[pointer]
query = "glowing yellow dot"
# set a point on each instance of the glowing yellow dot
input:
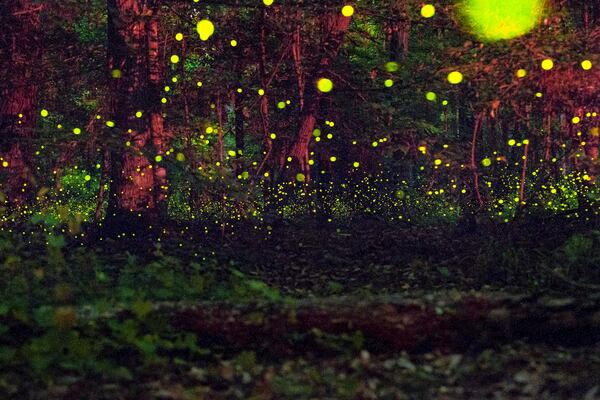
(231, 153)
(281, 105)
(233, 43)
(392, 66)
(209, 130)
(116, 73)
(300, 177)
(486, 162)
(586, 65)
(167, 88)
(428, 11)
(199, 84)
(5, 164)
(87, 178)
(317, 132)
(538, 95)
(512, 142)
(205, 29)
(375, 144)
(521, 73)
(179, 37)
(576, 120)
(76, 131)
(438, 162)
(388, 83)
(139, 114)
(163, 100)
(455, 77)
(158, 158)
(273, 136)
(180, 157)
(356, 164)
(261, 92)
(547, 64)
(333, 158)
(174, 58)
(348, 11)
(325, 85)
(445, 102)
(44, 113)
(267, 2)
(110, 124)
(430, 96)
(526, 141)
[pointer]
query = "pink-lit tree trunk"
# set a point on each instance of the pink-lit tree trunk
(18, 100)
(335, 25)
(139, 187)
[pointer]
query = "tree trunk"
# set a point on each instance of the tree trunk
(335, 25)
(138, 188)
(18, 100)
(398, 324)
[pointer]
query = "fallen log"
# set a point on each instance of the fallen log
(398, 324)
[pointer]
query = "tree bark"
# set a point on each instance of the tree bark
(399, 324)
(139, 188)
(335, 26)
(18, 100)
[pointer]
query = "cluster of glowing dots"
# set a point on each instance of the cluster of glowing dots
(205, 29)
(494, 20)
(324, 85)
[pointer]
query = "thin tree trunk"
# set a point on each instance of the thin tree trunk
(336, 25)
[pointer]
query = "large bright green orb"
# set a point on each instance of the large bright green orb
(493, 20)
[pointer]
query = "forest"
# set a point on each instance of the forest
(299, 199)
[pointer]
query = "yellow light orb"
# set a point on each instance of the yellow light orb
(179, 37)
(267, 2)
(87, 178)
(44, 113)
(547, 64)
(586, 65)
(261, 92)
(388, 83)
(205, 29)
(494, 20)
(333, 158)
(138, 114)
(576, 120)
(347, 11)
(76, 131)
(300, 177)
(233, 43)
(430, 96)
(427, 11)
(392, 66)
(486, 162)
(356, 164)
(174, 58)
(455, 77)
(116, 73)
(521, 73)
(325, 85)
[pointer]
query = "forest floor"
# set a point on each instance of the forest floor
(360, 310)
